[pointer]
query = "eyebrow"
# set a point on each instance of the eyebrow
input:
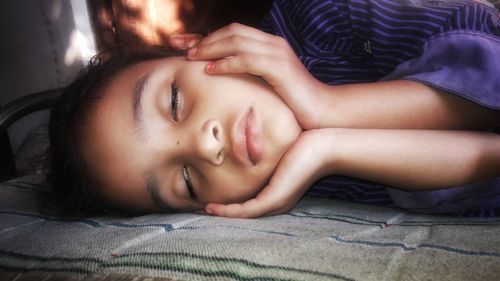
(151, 180)
(137, 95)
(153, 190)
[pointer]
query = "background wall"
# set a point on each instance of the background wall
(44, 44)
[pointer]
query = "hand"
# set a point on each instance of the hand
(184, 41)
(242, 49)
(300, 167)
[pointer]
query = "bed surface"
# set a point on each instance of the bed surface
(320, 239)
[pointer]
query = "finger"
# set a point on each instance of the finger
(237, 29)
(245, 63)
(273, 199)
(269, 68)
(287, 76)
(232, 46)
(256, 207)
(184, 41)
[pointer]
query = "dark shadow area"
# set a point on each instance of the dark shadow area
(134, 26)
(7, 163)
(207, 16)
(39, 54)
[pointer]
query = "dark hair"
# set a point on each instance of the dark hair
(75, 189)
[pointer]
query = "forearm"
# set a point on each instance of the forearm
(412, 159)
(399, 104)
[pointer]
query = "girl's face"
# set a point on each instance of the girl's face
(166, 135)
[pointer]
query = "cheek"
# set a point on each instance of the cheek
(234, 189)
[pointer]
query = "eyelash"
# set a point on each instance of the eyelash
(175, 102)
(188, 182)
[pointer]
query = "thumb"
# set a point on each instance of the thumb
(184, 41)
(265, 203)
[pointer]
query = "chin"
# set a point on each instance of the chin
(288, 137)
(283, 139)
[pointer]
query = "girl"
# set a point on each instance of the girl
(161, 134)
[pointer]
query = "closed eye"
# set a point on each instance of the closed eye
(175, 102)
(188, 182)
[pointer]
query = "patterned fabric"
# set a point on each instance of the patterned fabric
(364, 40)
(320, 239)
(369, 40)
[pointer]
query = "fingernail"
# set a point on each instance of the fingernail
(210, 66)
(192, 52)
(176, 38)
(192, 42)
(177, 44)
(209, 211)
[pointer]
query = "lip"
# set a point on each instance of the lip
(248, 141)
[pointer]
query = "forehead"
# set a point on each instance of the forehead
(110, 145)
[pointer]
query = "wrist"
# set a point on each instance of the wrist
(326, 110)
(318, 108)
(323, 142)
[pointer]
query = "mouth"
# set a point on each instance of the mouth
(248, 141)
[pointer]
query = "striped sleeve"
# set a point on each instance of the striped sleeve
(362, 41)
(449, 44)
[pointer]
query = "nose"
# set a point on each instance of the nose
(210, 142)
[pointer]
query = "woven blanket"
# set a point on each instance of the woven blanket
(320, 239)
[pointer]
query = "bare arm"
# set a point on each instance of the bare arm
(400, 104)
(406, 159)
(413, 159)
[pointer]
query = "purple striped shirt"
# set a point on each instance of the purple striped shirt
(452, 45)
